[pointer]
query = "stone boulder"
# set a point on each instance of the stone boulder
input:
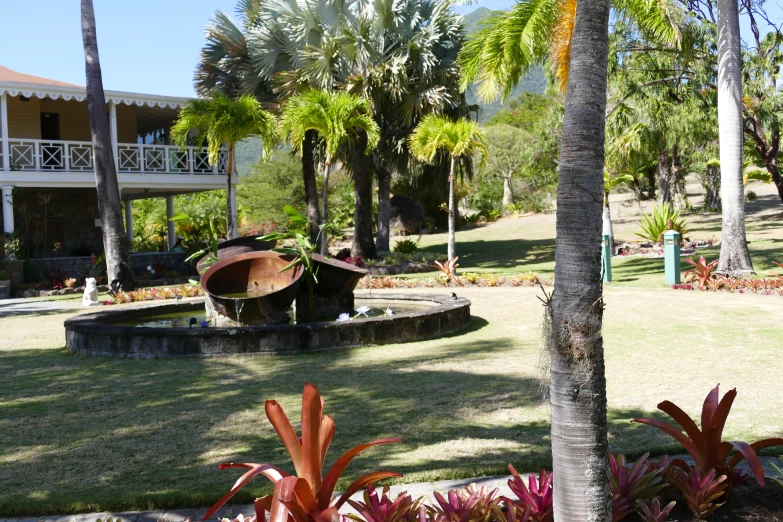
(407, 215)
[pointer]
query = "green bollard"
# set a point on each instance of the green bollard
(606, 258)
(671, 254)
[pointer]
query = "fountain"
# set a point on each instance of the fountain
(246, 309)
(231, 248)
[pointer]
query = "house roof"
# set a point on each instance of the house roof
(15, 83)
(7, 75)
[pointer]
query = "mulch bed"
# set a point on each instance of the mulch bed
(747, 503)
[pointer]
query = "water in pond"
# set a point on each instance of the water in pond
(193, 319)
(247, 294)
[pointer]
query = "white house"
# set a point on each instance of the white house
(46, 149)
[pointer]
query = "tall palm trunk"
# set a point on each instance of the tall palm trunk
(577, 383)
(310, 186)
(231, 209)
(452, 248)
(325, 203)
(734, 255)
(118, 267)
(363, 245)
(382, 237)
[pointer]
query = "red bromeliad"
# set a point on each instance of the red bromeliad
(538, 496)
(306, 497)
(705, 445)
(642, 482)
(702, 272)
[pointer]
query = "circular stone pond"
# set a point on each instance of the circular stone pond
(164, 330)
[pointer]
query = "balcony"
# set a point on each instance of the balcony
(77, 156)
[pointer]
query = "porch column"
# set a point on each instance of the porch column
(113, 130)
(6, 150)
(172, 228)
(8, 209)
(129, 224)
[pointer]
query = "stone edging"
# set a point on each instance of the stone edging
(92, 334)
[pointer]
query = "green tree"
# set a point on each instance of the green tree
(271, 186)
(339, 119)
(221, 121)
(507, 147)
(118, 267)
(456, 139)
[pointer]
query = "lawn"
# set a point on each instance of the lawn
(84, 433)
(93, 434)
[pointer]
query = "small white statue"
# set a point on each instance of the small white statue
(90, 297)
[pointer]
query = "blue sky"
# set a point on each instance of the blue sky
(147, 46)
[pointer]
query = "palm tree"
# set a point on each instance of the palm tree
(221, 121)
(734, 255)
(118, 267)
(460, 139)
(534, 31)
(339, 119)
(610, 183)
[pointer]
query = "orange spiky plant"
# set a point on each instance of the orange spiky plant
(307, 496)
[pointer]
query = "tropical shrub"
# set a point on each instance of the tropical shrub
(705, 445)
(406, 246)
(307, 495)
(628, 486)
(654, 512)
(702, 272)
(655, 224)
(701, 492)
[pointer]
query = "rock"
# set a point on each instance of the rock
(407, 215)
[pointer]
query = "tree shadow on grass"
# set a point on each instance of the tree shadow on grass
(501, 253)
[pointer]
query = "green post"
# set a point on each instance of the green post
(606, 257)
(671, 254)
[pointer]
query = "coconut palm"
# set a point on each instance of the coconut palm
(533, 31)
(118, 267)
(460, 139)
(734, 255)
(221, 121)
(339, 119)
(399, 54)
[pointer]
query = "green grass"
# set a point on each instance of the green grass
(93, 434)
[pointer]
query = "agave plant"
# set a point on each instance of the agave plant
(307, 496)
(705, 445)
(538, 496)
(702, 271)
(701, 491)
(628, 486)
(654, 512)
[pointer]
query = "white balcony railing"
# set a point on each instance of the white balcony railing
(77, 156)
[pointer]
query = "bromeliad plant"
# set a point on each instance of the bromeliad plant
(706, 446)
(307, 495)
(701, 492)
(702, 272)
(384, 509)
(537, 497)
(629, 486)
(449, 268)
(654, 512)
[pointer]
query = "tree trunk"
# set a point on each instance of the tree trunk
(771, 162)
(231, 210)
(577, 385)
(363, 245)
(310, 186)
(118, 267)
(712, 189)
(383, 235)
(325, 213)
(508, 195)
(607, 220)
(452, 248)
(734, 255)
(679, 195)
(664, 176)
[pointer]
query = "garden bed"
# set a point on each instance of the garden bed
(747, 503)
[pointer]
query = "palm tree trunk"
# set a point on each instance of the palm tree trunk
(325, 202)
(734, 255)
(712, 189)
(508, 194)
(231, 211)
(118, 267)
(382, 237)
(452, 248)
(607, 220)
(310, 186)
(577, 385)
(363, 245)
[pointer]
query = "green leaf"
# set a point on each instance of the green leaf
(180, 217)
(295, 217)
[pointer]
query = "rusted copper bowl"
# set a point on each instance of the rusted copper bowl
(336, 278)
(248, 274)
(233, 247)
